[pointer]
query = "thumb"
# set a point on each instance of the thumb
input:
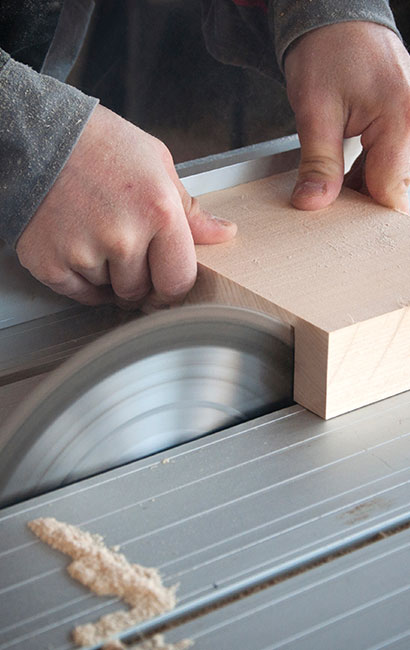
(206, 228)
(321, 165)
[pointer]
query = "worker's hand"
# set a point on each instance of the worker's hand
(345, 80)
(117, 224)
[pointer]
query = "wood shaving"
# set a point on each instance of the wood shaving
(108, 573)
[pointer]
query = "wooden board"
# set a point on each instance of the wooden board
(340, 276)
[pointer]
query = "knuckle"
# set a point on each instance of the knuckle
(323, 166)
(163, 209)
(81, 261)
(164, 152)
(314, 109)
(120, 247)
(306, 113)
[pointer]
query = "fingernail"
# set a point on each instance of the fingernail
(310, 188)
(221, 222)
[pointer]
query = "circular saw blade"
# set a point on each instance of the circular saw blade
(157, 382)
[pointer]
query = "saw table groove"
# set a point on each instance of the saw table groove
(359, 601)
(231, 508)
(339, 276)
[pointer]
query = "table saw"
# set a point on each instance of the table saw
(282, 530)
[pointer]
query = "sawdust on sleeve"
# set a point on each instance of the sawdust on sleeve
(108, 573)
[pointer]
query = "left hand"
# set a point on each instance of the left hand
(118, 225)
(345, 80)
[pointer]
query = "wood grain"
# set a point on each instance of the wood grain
(340, 276)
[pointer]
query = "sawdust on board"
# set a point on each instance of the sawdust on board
(108, 573)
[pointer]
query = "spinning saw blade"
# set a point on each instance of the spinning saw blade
(150, 385)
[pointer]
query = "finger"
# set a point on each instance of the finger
(388, 164)
(321, 165)
(129, 273)
(129, 278)
(153, 303)
(94, 271)
(74, 286)
(205, 227)
(171, 255)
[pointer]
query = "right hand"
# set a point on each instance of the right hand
(118, 225)
(344, 80)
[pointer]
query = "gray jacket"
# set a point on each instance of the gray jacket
(41, 117)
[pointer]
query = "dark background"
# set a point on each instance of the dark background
(146, 60)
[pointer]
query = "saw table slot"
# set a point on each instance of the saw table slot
(222, 513)
(361, 600)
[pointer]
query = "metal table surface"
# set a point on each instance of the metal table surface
(227, 512)
(360, 601)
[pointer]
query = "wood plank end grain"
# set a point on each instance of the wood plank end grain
(339, 276)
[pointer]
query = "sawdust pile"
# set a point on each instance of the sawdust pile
(108, 573)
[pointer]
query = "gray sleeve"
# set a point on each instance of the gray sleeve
(41, 120)
(290, 19)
